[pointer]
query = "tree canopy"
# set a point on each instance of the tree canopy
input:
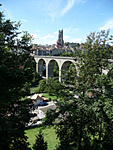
(84, 120)
(16, 72)
(40, 144)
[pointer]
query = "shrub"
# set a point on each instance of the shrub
(42, 86)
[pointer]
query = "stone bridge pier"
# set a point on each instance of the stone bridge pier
(46, 63)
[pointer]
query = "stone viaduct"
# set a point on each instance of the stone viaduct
(47, 63)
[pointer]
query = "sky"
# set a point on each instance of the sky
(44, 18)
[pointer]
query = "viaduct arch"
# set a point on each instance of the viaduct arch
(46, 63)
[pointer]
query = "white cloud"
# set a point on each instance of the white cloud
(55, 8)
(67, 30)
(24, 20)
(66, 37)
(56, 33)
(35, 38)
(108, 25)
(68, 6)
(52, 42)
(77, 40)
(49, 36)
(8, 13)
(37, 31)
(52, 8)
(52, 38)
(70, 30)
(44, 42)
(35, 35)
(46, 39)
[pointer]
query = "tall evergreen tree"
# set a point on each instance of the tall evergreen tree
(40, 144)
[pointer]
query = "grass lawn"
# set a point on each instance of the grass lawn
(32, 90)
(49, 136)
(46, 95)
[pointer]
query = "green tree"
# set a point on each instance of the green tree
(41, 86)
(67, 44)
(56, 70)
(53, 87)
(16, 72)
(40, 144)
(36, 79)
(86, 122)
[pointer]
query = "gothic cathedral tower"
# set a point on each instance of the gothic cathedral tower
(60, 42)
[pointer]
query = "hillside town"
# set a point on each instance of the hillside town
(56, 49)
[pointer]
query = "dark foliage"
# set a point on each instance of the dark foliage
(40, 144)
(16, 72)
(84, 120)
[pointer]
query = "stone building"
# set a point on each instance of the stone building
(60, 41)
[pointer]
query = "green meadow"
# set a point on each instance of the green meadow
(48, 133)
